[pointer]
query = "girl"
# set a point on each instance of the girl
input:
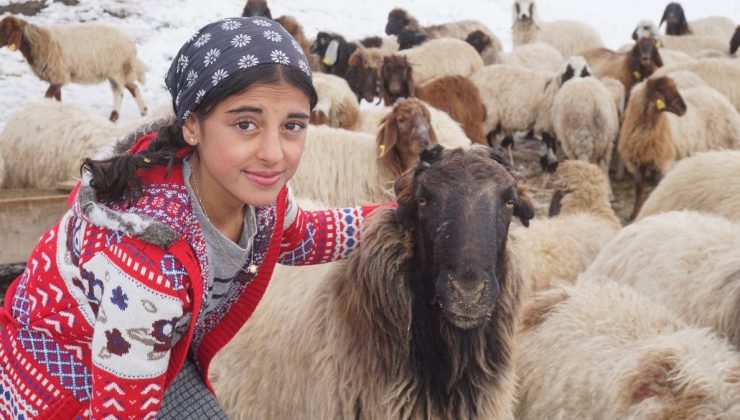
(170, 242)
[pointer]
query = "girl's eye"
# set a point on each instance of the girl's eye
(245, 125)
(294, 126)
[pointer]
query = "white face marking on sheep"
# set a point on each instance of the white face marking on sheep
(524, 10)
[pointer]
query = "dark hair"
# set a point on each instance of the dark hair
(115, 178)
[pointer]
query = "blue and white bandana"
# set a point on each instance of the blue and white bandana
(223, 48)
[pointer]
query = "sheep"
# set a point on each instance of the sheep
(554, 251)
(536, 56)
(409, 38)
(387, 45)
(706, 182)
(567, 36)
(717, 27)
(616, 89)
(671, 45)
(586, 121)
(652, 137)
(735, 41)
(629, 68)
(333, 51)
(685, 260)
(520, 99)
(720, 74)
(296, 30)
(360, 166)
(456, 95)
(412, 325)
(83, 53)
(599, 350)
(363, 72)
(337, 105)
(399, 20)
(57, 136)
(484, 45)
(256, 8)
(442, 57)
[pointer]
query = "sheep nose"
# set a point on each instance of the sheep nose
(468, 284)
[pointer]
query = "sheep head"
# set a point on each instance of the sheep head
(11, 32)
(257, 8)
(459, 205)
(479, 40)
(398, 20)
(362, 76)
(644, 58)
(326, 46)
(403, 134)
(524, 11)
(576, 66)
(409, 38)
(675, 20)
(662, 95)
(396, 79)
(735, 41)
(646, 29)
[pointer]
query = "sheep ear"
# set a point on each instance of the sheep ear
(634, 34)
(410, 78)
(430, 155)
(665, 16)
(656, 56)
(651, 378)
(523, 207)
(567, 75)
(555, 203)
(331, 54)
(387, 140)
(404, 189)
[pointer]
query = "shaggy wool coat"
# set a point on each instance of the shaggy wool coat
(101, 320)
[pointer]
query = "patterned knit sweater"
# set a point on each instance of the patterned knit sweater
(88, 327)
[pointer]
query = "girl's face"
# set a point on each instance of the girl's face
(250, 145)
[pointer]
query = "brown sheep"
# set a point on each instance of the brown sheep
(456, 95)
(296, 30)
(415, 324)
(628, 67)
(363, 73)
(403, 134)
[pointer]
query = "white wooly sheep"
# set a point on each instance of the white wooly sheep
(680, 47)
(341, 168)
(442, 57)
(554, 251)
(616, 89)
(707, 182)
(449, 132)
(48, 141)
(83, 53)
(537, 56)
(586, 121)
(686, 260)
(337, 105)
(720, 73)
(568, 36)
(519, 99)
(674, 17)
(599, 350)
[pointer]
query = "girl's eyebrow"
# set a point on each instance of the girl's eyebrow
(257, 110)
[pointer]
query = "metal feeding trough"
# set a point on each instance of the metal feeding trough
(25, 214)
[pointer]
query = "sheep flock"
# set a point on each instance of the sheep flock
(566, 241)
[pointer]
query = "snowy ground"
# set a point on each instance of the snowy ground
(160, 27)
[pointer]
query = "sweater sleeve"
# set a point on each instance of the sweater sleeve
(315, 237)
(142, 301)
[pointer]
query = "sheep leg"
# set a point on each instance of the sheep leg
(136, 93)
(639, 191)
(54, 91)
(548, 155)
(117, 99)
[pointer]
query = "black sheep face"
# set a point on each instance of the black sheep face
(460, 204)
(675, 20)
(257, 8)
(321, 43)
(397, 21)
(479, 40)
(409, 38)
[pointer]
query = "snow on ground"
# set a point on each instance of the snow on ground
(160, 27)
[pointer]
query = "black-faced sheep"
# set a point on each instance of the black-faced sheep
(599, 350)
(685, 260)
(257, 8)
(400, 20)
(363, 73)
(717, 27)
(662, 126)
(707, 182)
(456, 95)
(333, 51)
(629, 68)
(84, 53)
(409, 38)
(415, 324)
(567, 36)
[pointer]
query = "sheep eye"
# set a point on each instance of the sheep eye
(510, 203)
(422, 201)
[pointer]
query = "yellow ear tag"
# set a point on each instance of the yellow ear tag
(637, 74)
(12, 47)
(326, 60)
(382, 150)
(660, 104)
(659, 44)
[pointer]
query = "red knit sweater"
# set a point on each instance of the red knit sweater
(88, 327)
